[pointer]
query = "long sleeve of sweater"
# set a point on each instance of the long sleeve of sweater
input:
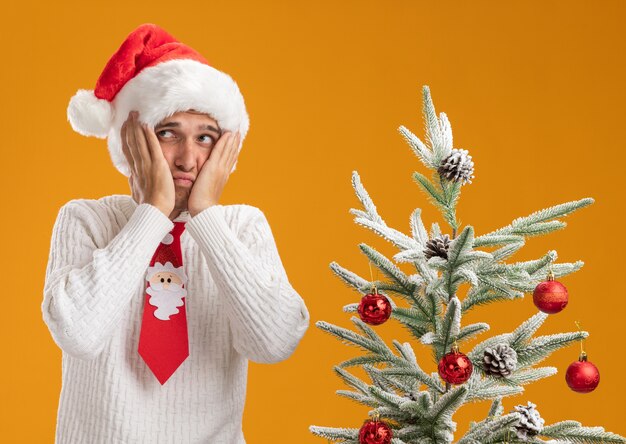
(267, 316)
(87, 286)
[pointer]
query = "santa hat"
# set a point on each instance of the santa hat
(158, 76)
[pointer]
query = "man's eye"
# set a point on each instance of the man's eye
(207, 138)
(162, 133)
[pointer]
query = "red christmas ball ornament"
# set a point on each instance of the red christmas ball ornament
(550, 296)
(582, 376)
(374, 308)
(375, 432)
(455, 367)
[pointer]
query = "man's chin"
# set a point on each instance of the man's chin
(181, 200)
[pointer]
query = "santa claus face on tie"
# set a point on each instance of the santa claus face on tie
(166, 279)
(167, 292)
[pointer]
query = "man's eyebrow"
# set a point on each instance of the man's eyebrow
(177, 124)
(209, 128)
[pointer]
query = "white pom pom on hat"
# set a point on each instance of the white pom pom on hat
(89, 115)
(158, 76)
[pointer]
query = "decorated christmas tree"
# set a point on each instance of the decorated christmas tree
(408, 404)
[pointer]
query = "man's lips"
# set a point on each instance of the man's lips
(183, 179)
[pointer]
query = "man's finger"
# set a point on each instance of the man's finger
(221, 146)
(133, 188)
(125, 149)
(153, 142)
(142, 147)
(132, 146)
(234, 150)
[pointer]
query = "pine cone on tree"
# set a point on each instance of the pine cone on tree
(437, 246)
(500, 360)
(530, 423)
(458, 166)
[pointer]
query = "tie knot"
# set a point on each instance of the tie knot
(178, 229)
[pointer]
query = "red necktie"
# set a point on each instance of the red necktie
(163, 341)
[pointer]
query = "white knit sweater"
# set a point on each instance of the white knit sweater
(240, 305)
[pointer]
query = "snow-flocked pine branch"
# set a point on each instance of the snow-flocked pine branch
(403, 388)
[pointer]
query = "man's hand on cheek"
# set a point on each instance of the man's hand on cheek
(214, 174)
(150, 180)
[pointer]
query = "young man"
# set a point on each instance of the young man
(159, 299)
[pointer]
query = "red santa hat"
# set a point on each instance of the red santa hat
(158, 76)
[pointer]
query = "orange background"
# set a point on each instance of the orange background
(534, 90)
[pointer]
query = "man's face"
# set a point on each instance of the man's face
(187, 139)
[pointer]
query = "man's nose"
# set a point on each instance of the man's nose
(185, 155)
